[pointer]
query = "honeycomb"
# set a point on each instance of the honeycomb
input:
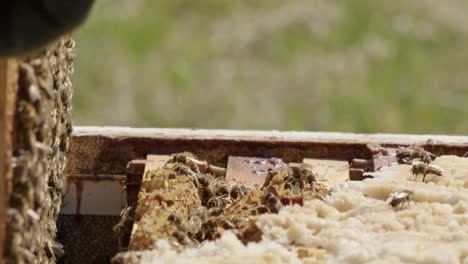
(189, 202)
(395, 216)
(42, 128)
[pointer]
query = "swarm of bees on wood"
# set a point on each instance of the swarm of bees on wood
(205, 205)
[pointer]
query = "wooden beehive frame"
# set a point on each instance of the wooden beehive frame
(8, 87)
(239, 170)
(106, 151)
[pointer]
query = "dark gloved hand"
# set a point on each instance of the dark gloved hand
(29, 25)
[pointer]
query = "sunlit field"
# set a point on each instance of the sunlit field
(319, 65)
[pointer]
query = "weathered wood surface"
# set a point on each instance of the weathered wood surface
(8, 89)
(107, 150)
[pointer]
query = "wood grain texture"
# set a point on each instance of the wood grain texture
(8, 90)
(133, 175)
(107, 150)
(153, 162)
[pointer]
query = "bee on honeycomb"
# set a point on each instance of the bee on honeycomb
(425, 169)
(405, 155)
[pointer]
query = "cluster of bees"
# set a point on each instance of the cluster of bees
(414, 153)
(41, 138)
(232, 207)
(419, 160)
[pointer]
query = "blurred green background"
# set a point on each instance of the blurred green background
(352, 66)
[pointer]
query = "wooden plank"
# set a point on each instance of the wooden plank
(248, 171)
(136, 170)
(356, 174)
(330, 171)
(180, 191)
(273, 136)
(153, 162)
(8, 90)
(133, 175)
(384, 159)
(107, 150)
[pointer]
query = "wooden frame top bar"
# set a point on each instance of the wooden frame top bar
(268, 136)
(107, 150)
(8, 89)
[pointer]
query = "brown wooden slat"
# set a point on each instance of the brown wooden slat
(136, 170)
(384, 159)
(152, 162)
(133, 176)
(8, 89)
(364, 164)
(107, 150)
(356, 174)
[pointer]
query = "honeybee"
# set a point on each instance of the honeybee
(123, 229)
(217, 171)
(215, 202)
(273, 202)
(203, 179)
(209, 227)
(194, 224)
(126, 220)
(307, 174)
(182, 157)
(222, 190)
(200, 236)
(200, 211)
(54, 248)
(400, 199)
(226, 224)
(181, 237)
(240, 222)
(30, 25)
(238, 191)
(216, 211)
(404, 155)
(183, 170)
(424, 169)
(174, 219)
(217, 187)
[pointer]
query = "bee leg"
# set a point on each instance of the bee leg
(424, 177)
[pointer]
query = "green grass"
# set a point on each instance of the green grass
(352, 66)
